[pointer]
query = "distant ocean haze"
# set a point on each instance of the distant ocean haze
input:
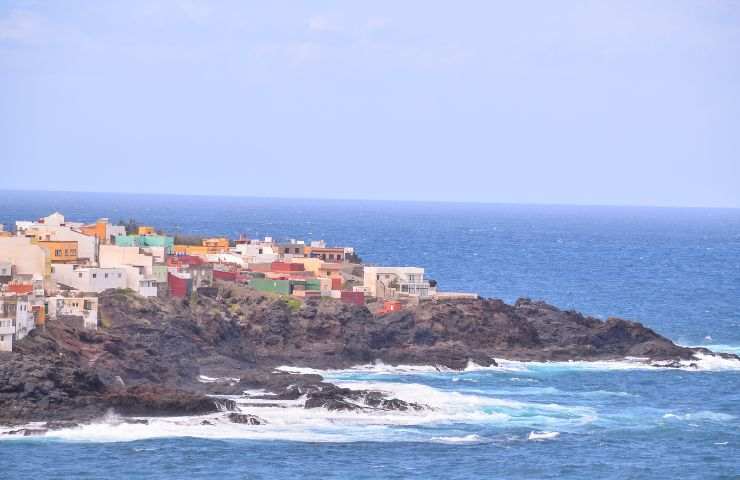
(675, 270)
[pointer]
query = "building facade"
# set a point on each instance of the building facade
(89, 279)
(390, 282)
(16, 320)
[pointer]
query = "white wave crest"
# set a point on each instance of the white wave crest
(723, 348)
(704, 415)
(542, 435)
(700, 363)
(377, 368)
(472, 438)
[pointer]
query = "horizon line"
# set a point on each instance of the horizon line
(355, 199)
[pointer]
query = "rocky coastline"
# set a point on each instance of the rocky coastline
(150, 355)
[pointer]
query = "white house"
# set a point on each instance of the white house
(389, 282)
(259, 252)
(159, 253)
(139, 267)
(28, 258)
(226, 257)
(16, 320)
(6, 269)
(55, 218)
(89, 279)
(84, 306)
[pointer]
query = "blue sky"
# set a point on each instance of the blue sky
(627, 103)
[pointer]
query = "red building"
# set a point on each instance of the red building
(183, 260)
(224, 275)
(354, 298)
(181, 286)
(286, 267)
(260, 267)
(390, 306)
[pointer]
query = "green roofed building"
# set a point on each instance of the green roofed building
(146, 241)
(282, 287)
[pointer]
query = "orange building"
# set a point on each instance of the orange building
(39, 315)
(20, 288)
(60, 251)
(98, 230)
(146, 230)
(216, 245)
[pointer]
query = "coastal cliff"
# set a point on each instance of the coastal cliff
(150, 354)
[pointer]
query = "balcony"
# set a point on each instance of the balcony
(418, 289)
(7, 326)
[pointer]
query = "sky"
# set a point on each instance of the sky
(571, 102)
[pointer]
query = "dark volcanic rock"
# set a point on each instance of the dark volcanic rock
(246, 419)
(26, 432)
(330, 403)
(149, 352)
(46, 387)
(156, 400)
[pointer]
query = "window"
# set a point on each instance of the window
(58, 252)
(119, 275)
(79, 275)
(106, 275)
(95, 275)
(297, 250)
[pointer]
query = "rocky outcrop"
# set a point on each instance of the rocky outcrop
(152, 400)
(46, 387)
(149, 352)
(317, 393)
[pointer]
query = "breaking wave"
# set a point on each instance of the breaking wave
(513, 398)
(701, 362)
(289, 421)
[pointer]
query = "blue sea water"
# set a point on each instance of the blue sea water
(675, 270)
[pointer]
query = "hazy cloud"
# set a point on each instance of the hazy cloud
(21, 26)
(377, 23)
(323, 23)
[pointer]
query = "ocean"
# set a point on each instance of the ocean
(675, 270)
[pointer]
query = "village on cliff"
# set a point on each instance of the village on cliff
(52, 268)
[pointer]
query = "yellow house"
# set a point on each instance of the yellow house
(330, 270)
(309, 264)
(197, 250)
